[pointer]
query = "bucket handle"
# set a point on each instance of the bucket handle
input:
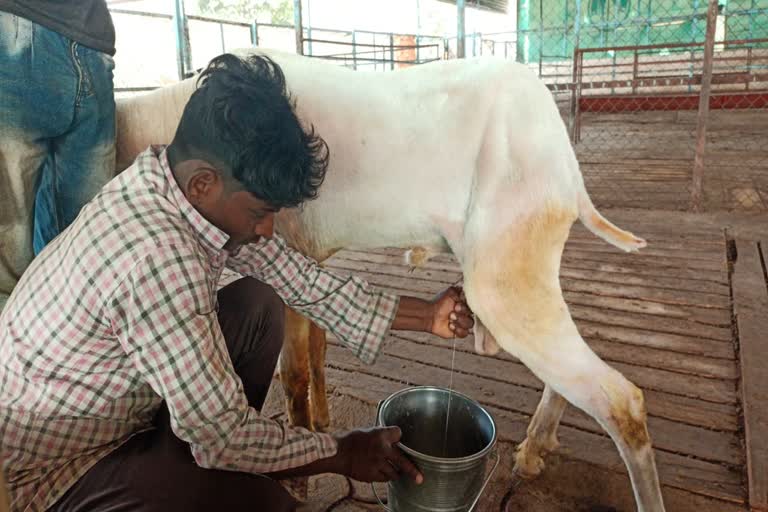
(479, 494)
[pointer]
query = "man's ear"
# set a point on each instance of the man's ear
(203, 185)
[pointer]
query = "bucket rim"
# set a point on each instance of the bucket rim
(431, 458)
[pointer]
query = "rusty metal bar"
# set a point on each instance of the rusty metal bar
(703, 117)
(634, 74)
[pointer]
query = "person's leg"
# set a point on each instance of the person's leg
(83, 157)
(252, 318)
(155, 471)
(36, 85)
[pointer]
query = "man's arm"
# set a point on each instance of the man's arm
(447, 315)
(164, 316)
(359, 315)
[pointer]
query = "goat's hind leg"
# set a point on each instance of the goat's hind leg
(587, 382)
(512, 284)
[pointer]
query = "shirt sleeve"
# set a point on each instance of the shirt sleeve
(356, 313)
(164, 317)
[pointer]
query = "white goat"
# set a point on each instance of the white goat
(467, 156)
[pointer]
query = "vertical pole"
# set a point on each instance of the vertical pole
(255, 33)
(391, 51)
(576, 57)
(634, 72)
(418, 32)
(575, 94)
(541, 35)
(183, 54)
(703, 117)
(223, 43)
(354, 50)
(523, 19)
(460, 29)
(577, 26)
(298, 27)
(309, 26)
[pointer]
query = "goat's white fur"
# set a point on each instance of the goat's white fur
(469, 156)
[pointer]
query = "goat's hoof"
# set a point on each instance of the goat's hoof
(528, 465)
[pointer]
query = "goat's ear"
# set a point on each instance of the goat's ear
(485, 343)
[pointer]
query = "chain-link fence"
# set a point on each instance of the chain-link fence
(736, 157)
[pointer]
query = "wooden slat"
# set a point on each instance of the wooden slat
(445, 268)
(639, 259)
(504, 367)
(641, 280)
(686, 277)
(712, 254)
(611, 329)
(629, 264)
(683, 314)
(593, 286)
(663, 359)
(751, 308)
(672, 436)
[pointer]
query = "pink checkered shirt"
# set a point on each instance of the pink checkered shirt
(112, 312)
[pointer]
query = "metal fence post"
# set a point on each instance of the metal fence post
(392, 50)
(255, 33)
(298, 27)
(703, 116)
(354, 50)
(541, 37)
(183, 50)
(460, 29)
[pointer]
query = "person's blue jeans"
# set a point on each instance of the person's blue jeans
(57, 138)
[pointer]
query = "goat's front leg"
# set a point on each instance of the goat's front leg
(542, 434)
(321, 420)
(294, 368)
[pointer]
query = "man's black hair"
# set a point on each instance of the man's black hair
(241, 119)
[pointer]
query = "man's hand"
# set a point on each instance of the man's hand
(451, 316)
(371, 455)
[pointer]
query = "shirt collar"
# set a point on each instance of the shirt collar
(211, 236)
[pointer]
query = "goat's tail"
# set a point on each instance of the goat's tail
(603, 228)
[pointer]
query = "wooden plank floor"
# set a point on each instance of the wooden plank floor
(662, 317)
(751, 308)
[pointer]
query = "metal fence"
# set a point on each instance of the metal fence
(627, 77)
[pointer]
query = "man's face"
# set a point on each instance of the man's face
(244, 217)
(237, 212)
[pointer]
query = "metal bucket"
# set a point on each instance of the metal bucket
(453, 466)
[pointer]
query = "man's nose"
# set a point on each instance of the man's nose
(266, 228)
